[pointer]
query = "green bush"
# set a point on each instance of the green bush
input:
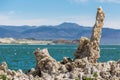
(3, 77)
(95, 74)
(87, 78)
(76, 79)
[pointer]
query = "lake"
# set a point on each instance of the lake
(22, 57)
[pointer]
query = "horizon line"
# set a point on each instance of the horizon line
(54, 25)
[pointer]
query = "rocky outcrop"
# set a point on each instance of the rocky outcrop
(90, 47)
(7, 74)
(80, 70)
(45, 63)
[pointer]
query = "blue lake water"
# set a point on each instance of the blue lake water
(22, 57)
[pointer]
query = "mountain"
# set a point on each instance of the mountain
(65, 30)
(7, 33)
(62, 31)
(17, 28)
(110, 36)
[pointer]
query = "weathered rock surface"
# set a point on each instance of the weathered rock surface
(45, 63)
(90, 47)
(83, 67)
(80, 69)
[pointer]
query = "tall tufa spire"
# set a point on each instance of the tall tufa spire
(90, 47)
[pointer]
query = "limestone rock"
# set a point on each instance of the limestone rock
(3, 66)
(118, 62)
(80, 63)
(83, 48)
(66, 60)
(45, 62)
(63, 69)
(90, 48)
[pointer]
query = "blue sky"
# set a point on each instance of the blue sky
(54, 12)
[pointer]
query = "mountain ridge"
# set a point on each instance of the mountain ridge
(69, 31)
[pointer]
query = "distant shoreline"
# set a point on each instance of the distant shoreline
(35, 42)
(12, 41)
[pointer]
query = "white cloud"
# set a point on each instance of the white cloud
(103, 1)
(114, 1)
(78, 1)
(11, 12)
(112, 23)
(81, 20)
(109, 1)
(8, 20)
(3, 17)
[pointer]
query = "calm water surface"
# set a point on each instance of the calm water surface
(22, 57)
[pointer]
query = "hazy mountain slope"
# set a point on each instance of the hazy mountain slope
(62, 31)
(8, 33)
(17, 28)
(65, 30)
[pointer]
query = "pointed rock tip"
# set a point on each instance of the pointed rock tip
(100, 8)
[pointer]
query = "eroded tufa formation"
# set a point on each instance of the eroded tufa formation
(90, 48)
(45, 62)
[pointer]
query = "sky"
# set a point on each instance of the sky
(54, 12)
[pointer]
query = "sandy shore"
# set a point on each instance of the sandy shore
(23, 41)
